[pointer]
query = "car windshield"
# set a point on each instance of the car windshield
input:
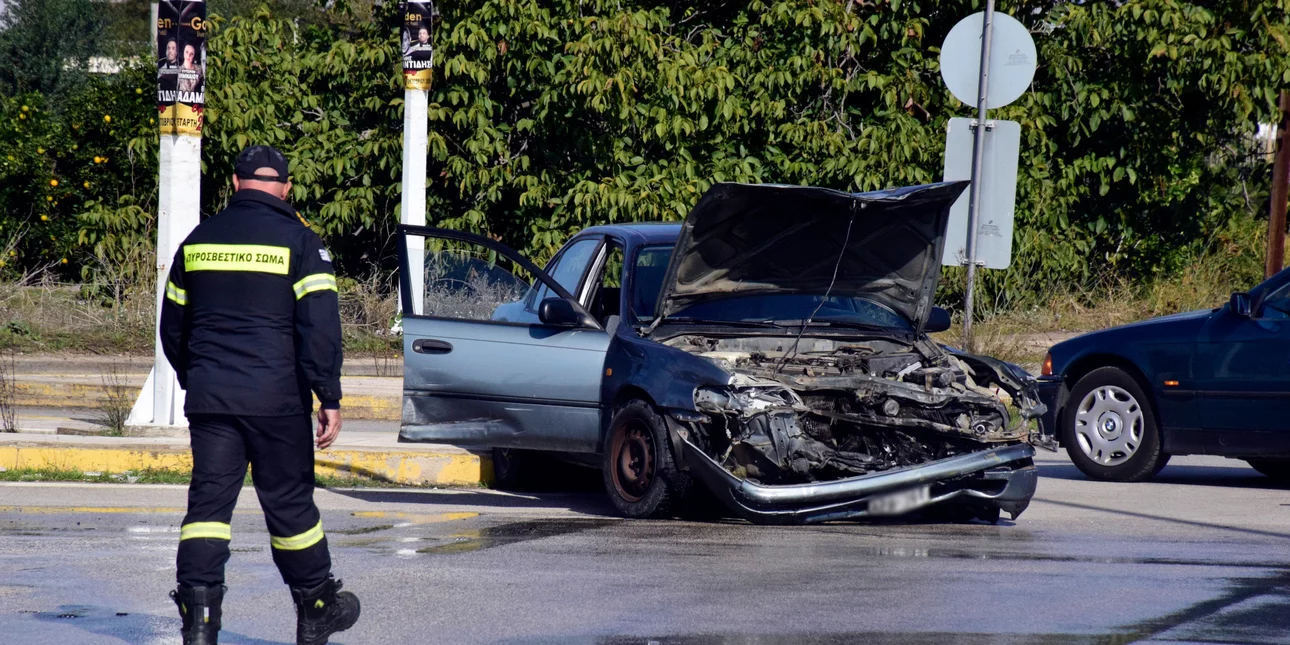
(791, 309)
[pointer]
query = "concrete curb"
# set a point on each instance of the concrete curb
(59, 391)
(439, 466)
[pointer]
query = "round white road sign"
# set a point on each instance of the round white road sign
(1012, 60)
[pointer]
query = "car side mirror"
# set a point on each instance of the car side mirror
(558, 312)
(937, 320)
(1240, 304)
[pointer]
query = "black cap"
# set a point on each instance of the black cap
(257, 157)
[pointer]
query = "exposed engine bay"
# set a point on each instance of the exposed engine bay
(823, 409)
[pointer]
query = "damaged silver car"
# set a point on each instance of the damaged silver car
(771, 350)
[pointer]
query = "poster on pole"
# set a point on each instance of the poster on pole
(181, 66)
(998, 192)
(418, 48)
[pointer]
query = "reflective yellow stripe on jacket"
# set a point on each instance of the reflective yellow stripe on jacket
(315, 282)
(175, 294)
(213, 530)
(237, 257)
(297, 542)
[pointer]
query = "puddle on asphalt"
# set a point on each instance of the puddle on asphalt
(410, 519)
(120, 626)
(515, 532)
(472, 539)
(361, 530)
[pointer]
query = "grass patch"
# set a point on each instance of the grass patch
(46, 316)
(72, 475)
(118, 399)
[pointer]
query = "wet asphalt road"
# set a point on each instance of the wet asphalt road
(1198, 556)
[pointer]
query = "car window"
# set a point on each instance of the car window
(1277, 304)
(567, 270)
(647, 279)
(606, 295)
(467, 281)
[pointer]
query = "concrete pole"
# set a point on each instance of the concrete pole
(154, 13)
(978, 156)
(413, 207)
(161, 402)
(1277, 210)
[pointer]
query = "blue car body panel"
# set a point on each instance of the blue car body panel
(495, 388)
(469, 395)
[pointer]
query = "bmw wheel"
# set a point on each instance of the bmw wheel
(1109, 428)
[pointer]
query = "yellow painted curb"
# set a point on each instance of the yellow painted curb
(94, 459)
(367, 407)
(400, 467)
(371, 407)
(459, 469)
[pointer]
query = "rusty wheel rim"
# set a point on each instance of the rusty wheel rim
(633, 462)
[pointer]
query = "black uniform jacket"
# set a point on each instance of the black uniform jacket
(251, 317)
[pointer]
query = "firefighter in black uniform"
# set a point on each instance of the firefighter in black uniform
(251, 324)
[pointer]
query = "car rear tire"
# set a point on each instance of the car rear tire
(1277, 469)
(512, 469)
(1109, 429)
(640, 471)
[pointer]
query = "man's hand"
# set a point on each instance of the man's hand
(328, 427)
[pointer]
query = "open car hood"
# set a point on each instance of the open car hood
(743, 239)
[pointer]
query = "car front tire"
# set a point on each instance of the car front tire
(640, 472)
(1109, 429)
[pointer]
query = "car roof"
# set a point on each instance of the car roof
(639, 232)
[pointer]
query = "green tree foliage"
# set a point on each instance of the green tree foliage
(43, 42)
(71, 172)
(547, 117)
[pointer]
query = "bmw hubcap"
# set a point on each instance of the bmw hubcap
(1109, 425)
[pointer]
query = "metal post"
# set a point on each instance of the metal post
(978, 155)
(1277, 210)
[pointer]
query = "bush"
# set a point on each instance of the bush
(550, 117)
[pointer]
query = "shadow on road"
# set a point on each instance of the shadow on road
(1225, 476)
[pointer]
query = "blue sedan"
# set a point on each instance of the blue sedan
(772, 349)
(1206, 382)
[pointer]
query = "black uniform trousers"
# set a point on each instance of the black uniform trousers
(280, 451)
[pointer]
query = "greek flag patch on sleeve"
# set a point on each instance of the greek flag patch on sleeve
(326, 257)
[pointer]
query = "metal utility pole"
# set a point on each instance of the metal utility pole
(1277, 211)
(978, 154)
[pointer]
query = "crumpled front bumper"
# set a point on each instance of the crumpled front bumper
(1003, 476)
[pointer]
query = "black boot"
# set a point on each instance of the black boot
(199, 607)
(322, 611)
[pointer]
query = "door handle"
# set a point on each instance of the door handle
(431, 346)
